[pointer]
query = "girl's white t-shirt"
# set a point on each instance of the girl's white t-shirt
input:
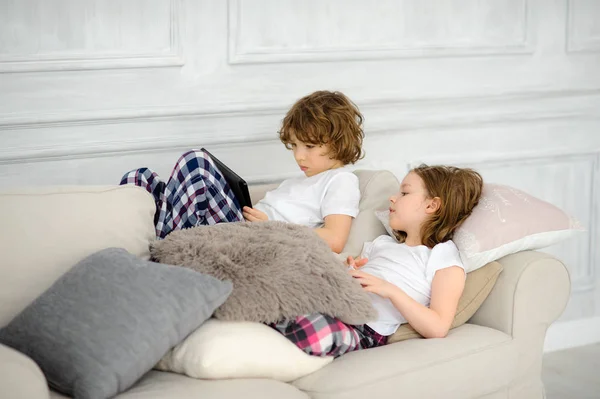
(410, 268)
(308, 200)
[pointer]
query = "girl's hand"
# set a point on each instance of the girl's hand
(356, 263)
(254, 215)
(373, 284)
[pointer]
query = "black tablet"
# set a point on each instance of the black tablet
(237, 184)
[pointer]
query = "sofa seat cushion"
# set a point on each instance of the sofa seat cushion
(162, 385)
(471, 361)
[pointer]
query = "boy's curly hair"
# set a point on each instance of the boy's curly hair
(326, 117)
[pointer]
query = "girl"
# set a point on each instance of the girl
(323, 130)
(417, 281)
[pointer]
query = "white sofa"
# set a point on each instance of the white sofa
(498, 354)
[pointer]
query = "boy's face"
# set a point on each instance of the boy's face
(313, 159)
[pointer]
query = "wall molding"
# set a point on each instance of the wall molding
(130, 115)
(512, 101)
(282, 55)
(545, 157)
(589, 45)
(172, 57)
(111, 148)
(186, 121)
(571, 334)
(595, 217)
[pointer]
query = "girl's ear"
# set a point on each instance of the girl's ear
(434, 204)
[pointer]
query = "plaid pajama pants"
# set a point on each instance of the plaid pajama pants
(322, 335)
(195, 194)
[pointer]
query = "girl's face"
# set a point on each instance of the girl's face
(411, 206)
(313, 159)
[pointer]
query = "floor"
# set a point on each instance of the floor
(572, 373)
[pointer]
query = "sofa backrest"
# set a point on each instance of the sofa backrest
(46, 231)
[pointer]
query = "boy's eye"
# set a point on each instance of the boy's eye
(403, 194)
(293, 145)
(309, 146)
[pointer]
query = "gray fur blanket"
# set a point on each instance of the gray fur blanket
(278, 271)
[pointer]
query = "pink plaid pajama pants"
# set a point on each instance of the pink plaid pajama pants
(322, 335)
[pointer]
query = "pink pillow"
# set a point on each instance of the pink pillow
(506, 221)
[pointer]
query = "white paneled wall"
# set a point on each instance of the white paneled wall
(71, 34)
(92, 88)
(350, 30)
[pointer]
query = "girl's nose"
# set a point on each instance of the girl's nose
(393, 199)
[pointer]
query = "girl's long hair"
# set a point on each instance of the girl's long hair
(459, 190)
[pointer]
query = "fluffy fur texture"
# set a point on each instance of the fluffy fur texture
(278, 270)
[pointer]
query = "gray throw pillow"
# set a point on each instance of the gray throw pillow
(110, 319)
(279, 270)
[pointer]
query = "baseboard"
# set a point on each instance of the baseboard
(570, 334)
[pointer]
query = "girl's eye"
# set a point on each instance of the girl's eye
(403, 194)
(310, 146)
(293, 145)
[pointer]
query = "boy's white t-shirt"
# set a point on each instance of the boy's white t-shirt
(410, 268)
(308, 200)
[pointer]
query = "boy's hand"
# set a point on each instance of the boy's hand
(254, 215)
(373, 284)
(356, 263)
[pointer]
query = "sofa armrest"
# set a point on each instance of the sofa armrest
(531, 292)
(533, 289)
(20, 377)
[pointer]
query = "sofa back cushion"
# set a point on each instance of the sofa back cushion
(48, 230)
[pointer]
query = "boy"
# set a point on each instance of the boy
(324, 132)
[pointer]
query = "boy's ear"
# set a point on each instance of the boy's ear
(434, 204)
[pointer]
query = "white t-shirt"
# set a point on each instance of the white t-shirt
(308, 200)
(409, 268)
